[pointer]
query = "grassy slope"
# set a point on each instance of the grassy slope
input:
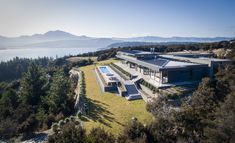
(108, 110)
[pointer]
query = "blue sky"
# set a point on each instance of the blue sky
(119, 18)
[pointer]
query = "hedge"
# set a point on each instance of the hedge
(149, 85)
(121, 70)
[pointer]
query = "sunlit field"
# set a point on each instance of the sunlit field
(108, 110)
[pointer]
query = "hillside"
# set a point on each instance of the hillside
(61, 39)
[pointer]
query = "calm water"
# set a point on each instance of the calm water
(8, 54)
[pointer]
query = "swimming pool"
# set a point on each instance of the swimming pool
(104, 70)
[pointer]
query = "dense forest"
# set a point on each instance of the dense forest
(33, 104)
(36, 93)
(14, 69)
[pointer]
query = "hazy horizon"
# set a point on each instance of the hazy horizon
(116, 37)
(123, 18)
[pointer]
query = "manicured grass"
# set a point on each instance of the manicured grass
(108, 110)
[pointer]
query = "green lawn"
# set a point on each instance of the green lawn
(108, 110)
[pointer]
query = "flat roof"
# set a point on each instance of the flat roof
(165, 63)
(199, 58)
(179, 64)
(159, 63)
(190, 52)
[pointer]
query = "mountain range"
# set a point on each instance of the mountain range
(61, 39)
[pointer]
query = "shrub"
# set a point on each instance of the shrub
(148, 85)
(61, 123)
(49, 120)
(99, 135)
(121, 70)
(173, 96)
(79, 114)
(55, 127)
(67, 120)
(72, 118)
(133, 132)
(70, 133)
(77, 122)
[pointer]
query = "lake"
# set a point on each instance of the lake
(8, 54)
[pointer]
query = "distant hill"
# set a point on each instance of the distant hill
(61, 39)
(55, 39)
(175, 39)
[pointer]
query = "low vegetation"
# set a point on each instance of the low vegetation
(83, 109)
(125, 77)
(148, 85)
(121, 70)
(72, 132)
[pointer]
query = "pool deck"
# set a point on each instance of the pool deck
(107, 74)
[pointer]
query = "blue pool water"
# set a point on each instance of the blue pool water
(105, 70)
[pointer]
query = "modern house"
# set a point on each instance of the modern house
(170, 69)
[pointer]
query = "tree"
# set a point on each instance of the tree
(223, 127)
(159, 107)
(28, 126)
(8, 128)
(133, 132)
(70, 133)
(59, 97)
(162, 130)
(32, 86)
(224, 82)
(204, 99)
(8, 102)
(189, 125)
(99, 135)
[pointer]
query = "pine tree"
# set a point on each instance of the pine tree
(59, 93)
(32, 85)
